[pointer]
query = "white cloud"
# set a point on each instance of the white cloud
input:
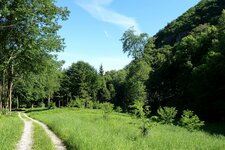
(98, 9)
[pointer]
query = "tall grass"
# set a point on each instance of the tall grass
(11, 128)
(41, 139)
(88, 130)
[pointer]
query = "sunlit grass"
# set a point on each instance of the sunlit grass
(11, 128)
(41, 140)
(88, 130)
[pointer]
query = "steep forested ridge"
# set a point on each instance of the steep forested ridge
(188, 61)
(207, 11)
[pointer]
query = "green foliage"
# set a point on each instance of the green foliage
(41, 105)
(134, 44)
(103, 92)
(187, 62)
(167, 115)
(204, 12)
(146, 126)
(115, 81)
(89, 104)
(141, 111)
(118, 109)
(191, 121)
(52, 105)
(31, 34)
(138, 73)
(78, 102)
(107, 108)
(4, 112)
(82, 80)
(96, 105)
(101, 70)
(138, 109)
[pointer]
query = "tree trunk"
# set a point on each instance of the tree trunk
(59, 104)
(10, 87)
(49, 100)
(1, 95)
(17, 103)
(10, 95)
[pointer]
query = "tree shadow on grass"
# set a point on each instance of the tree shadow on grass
(36, 110)
(215, 128)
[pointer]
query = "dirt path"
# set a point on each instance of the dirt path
(26, 139)
(55, 140)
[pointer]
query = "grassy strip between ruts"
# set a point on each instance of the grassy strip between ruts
(11, 128)
(88, 130)
(41, 141)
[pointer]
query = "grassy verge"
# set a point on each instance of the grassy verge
(11, 128)
(87, 130)
(41, 139)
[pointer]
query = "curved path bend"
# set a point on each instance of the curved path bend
(26, 139)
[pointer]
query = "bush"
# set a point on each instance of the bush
(96, 105)
(118, 109)
(52, 105)
(140, 110)
(107, 109)
(4, 112)
(89, 104)
(80, 103)
(146, 126)
(167, 115)
(72, 103)
(41, 105)
(190, 121)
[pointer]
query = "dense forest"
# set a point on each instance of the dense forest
(183, 65)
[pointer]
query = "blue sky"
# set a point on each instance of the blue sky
(94, 28)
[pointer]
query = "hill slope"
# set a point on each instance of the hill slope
(188, 59)
(206, 11)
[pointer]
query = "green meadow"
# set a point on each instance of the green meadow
(87, 129)
(11, 128)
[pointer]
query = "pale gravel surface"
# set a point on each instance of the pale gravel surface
(25, 142)
(55, 140)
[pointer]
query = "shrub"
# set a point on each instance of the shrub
(80, 103)
(146, 126)
(52, 105)
(107, 109)
(191, 121)
(167, 115)
(72, 103)
(118, 109)
(41, 105)
(89, 104)
(96, 105)
(4, 112)
(140, 110)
